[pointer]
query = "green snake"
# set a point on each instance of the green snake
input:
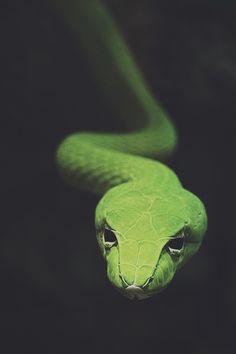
(147, 224)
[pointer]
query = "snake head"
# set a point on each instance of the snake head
(146, 235)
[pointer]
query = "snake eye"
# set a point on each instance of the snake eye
(109, 238)
(176, 245)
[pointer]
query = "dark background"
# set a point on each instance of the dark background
(55, 297)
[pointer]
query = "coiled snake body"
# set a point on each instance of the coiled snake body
(147, 224)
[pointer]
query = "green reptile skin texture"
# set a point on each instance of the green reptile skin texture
(143, 203)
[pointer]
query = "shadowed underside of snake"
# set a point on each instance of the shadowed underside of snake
(147, 224)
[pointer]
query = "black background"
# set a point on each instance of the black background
(55, 297)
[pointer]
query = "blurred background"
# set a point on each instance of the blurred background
(55, 297)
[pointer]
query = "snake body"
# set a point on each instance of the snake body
(147, 224)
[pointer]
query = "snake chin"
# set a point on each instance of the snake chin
(134, 292)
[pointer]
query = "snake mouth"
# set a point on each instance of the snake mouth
(140, 292)
(134, 292)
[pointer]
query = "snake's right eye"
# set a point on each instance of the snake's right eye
(109, 238)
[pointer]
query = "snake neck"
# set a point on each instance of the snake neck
(97, 169)
(99, 161)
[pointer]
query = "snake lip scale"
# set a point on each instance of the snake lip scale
(147, 224)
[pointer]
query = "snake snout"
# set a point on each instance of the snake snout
(128, 285)
(135, 292)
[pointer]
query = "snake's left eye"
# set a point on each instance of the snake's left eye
(176, 245)
(109, 238)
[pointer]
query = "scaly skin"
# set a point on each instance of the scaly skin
(155, 224)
